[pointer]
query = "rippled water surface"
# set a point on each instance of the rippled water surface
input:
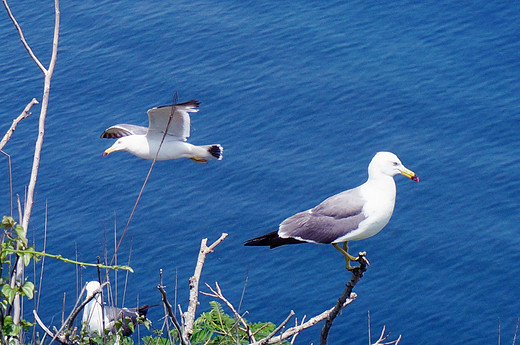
(301, 95)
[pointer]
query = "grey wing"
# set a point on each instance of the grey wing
(111, 313)
(330, 220)
(127, 316)
(179, 126)
(123, 130)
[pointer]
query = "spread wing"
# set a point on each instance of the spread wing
(330, 220)
(179, 126)
(123, 130)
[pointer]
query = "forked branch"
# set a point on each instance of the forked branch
(189, 315)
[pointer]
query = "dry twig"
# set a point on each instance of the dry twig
(383, 337)
(217, 293)
(25, 113)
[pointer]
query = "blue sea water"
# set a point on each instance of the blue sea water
(301, 95)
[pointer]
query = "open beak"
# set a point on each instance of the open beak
(410, 174)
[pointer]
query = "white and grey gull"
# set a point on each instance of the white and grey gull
(98, 317)
(144, 142)
(354, 214)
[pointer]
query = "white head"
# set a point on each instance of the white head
(389, 164)
(121, 144)
(91, 287)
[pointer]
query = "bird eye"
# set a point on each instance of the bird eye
(395, 164)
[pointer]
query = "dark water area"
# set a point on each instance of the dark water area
(301, 96)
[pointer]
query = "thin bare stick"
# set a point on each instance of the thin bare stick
(172, 315)
(189, 315)
(277, 329)
(369, 330)
(42, 325)
(516, 331)
(43, 258)
(145, 180)
(25, 113)
(9, 166)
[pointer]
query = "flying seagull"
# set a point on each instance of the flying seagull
(98, 317)
(144, 142)
(354, 214)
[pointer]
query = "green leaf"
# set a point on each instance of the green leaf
(9, 293)
(20, 233)
(7, 222)
(28, 290)
(9, 328)
(26, 324)
(26, 258)
(131, 325)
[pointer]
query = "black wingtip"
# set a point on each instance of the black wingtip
(272, 240)
(216, 151)
(192, 104)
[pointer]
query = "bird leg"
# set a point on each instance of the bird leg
(348, 257)
(198, 159)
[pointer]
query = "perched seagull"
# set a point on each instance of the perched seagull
(144, 142)
(98, 317)
(354, 214)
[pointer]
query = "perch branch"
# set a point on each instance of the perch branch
(25, 113)
(357, 273)
(189, 315)
(346, 298)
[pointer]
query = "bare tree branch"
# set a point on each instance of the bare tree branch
(18, 276)
(25, 113)
(189, 315)
(22, 38)
(384, 336)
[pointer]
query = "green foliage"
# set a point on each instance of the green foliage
(215, 327)
(13, 239)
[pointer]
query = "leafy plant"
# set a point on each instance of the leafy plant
(215, 327)
(13, 239)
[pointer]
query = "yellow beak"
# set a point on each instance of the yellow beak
(410, 174)
(108, 151)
